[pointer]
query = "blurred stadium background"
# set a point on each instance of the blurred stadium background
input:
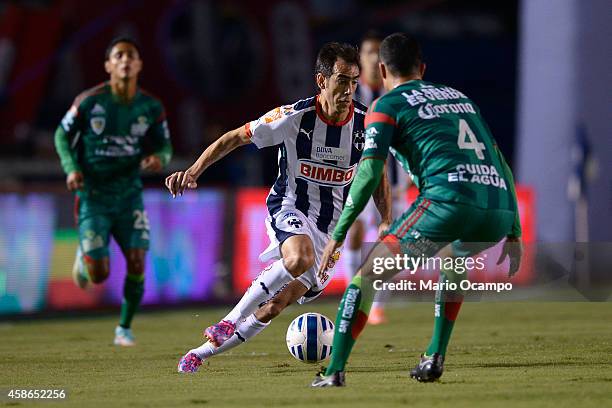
(540, 70)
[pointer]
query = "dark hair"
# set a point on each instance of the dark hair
(401, 54)
(333, 51)
(371, 35)
(117, 40)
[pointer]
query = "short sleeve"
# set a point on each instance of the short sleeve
(380, 127)
(272, 128)
(73, 118)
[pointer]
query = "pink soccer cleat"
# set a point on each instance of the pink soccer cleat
(377, 316)
(189, 363)
(219, 333)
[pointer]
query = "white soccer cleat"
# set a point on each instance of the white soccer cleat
(124, 337)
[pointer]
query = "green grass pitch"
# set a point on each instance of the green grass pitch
(501, 354)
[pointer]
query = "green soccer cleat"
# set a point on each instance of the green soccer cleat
(124, 337)
(78, 271)
(429, 369)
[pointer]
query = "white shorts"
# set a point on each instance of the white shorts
(289, 222)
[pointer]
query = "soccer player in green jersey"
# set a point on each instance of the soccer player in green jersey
(111, 133)
(466, 204)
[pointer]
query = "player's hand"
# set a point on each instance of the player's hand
(383, 227)
(74, 181)
(513, 248)
(177, 182)
(151, 163)
(328, 253)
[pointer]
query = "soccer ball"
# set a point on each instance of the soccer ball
(310, 337)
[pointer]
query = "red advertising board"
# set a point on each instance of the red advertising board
(251, 239)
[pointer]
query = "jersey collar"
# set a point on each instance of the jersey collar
(407, 82)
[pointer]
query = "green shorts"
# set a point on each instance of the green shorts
(125, 219)
(429, 225)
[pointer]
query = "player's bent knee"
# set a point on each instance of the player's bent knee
(299, 263)
(98, 270)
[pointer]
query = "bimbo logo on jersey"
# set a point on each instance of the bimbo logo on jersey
(325, 174)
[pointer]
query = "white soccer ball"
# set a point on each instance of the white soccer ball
(310, 337)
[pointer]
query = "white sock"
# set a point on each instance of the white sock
(245, 329)
(380, 298)
(352, 261)
(269, 281)
(378, 305)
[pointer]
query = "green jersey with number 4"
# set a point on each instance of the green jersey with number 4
(439, 136)
(106, 139)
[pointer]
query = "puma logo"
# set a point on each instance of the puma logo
(307, 133)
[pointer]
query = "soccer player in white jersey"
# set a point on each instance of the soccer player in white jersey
(370, 87)
(320, 142)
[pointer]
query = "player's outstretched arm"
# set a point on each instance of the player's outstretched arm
(367, 178)
(177, 182)
(74, 176)
(507, 172)
(160, 134)
(513, 247)
(382, 199)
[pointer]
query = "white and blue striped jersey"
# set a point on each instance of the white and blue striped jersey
(317, 159)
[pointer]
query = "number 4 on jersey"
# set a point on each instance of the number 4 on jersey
(467, 140)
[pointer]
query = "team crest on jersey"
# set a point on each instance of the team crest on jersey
(359, 139)
(97, 124)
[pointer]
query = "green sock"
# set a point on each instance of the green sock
(133, 290)
(351, 319)
(446, 310)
